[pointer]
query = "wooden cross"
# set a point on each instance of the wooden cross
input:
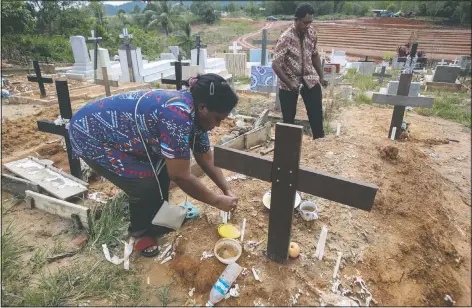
(178, 75)
(126, 37)
(366, 60)
(198, 45)
(287, 177)
(402, 100)
(62, 90)
(95, 41)
(235, 47)
(264, 43)
(39, 79)
(382, 74)
(105, 82)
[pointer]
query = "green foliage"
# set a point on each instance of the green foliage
(362, 98)
(363, 82)
(205, 11)
(387, 56)
(16, 18)
(391, 8)
(449, 106)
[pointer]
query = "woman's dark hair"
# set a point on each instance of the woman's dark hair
(303, 9)
(218, 97)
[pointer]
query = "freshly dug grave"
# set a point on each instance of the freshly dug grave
(413, 248)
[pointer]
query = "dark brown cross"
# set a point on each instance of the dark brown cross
(65, 109)
(402, 100)
(287, 177)
(198, 45)
(178, 75)
(105, 82)
(382, 74)
(39, 79)
(95, 41)
(264, 43)
(128, 47)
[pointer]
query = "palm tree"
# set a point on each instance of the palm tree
(163, 16)
(185, 39)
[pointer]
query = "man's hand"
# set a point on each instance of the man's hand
(226, 203)
(229, 193)
(292, 85)
(323, 82)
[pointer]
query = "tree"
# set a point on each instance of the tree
(348, 8)
(121, 12)
(16, 18)
(391, 8)
(231, 7)
(185, 39)
(163, 16)
(205, 11)
(136, 10)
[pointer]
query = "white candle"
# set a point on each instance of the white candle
(242, 230)
(394, 131)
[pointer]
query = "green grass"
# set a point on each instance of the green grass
(363, 82)
(244, 79)
(12, 248)
(336, 16)
(163, 294)
(109, 223)
(68, 286)
(225, 32)
(449, 106)
(38, 260)
(362, 98)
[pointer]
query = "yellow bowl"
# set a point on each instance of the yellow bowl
(229, 231)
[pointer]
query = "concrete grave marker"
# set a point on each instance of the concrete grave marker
(95, 41)
(82, 68)
(446, 73)
(236, 64)
(127, 47)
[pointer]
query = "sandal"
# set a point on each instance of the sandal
(144, 243)
(192, 211)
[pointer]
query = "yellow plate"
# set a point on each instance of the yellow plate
(229, 231)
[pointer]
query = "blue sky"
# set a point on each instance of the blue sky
(115, 2)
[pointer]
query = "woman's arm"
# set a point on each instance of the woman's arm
(205, 161)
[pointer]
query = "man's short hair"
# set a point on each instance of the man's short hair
(303, 9)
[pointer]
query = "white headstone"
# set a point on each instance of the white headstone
(203, 57)
(442, 62)
(83, 68)
(366, 68)
(174, 50)
(414, 88)
(167, 56)
(338, 57)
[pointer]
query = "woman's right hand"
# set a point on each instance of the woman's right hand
(226, 203)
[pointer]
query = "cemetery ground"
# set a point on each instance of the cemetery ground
(413, 248)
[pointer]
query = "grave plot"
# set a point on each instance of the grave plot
(411, 249)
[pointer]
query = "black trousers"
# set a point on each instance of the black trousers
(312, 99)
(144, 198)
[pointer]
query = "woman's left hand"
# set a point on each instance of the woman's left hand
(229, 193)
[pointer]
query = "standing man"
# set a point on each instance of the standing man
(295, 61)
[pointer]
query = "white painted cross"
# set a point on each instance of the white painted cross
(442, 62)
(235, 47)
(456, 60)
(125, 34)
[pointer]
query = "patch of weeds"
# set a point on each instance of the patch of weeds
(163, 294)
(10, 203)
(361, 81)
(244, 79)
(12, 249)
(362, 98)
(449, 106)
(109, 223)
(58, 247)
(38, 260)
(94, 279)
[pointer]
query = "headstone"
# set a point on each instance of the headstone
(168, 56)
(353, 65)
(263, 76)
(339, 57)
(39, 79)
(190, 71)
(446, 73)
(83, 68)
(203, 57)
(366, 68)
(103, 60)
(95, 40)
(264, 52)
(127, 47)
(174, 50)
(414, 88)
(442, 62)
(198, 46)
(236, 64)
(396, 65)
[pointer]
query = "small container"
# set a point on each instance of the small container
(267, 197)
(309, 210)
(227, 250)
(223, 284)
(229, 231)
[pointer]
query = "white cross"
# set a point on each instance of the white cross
(93, 35)
(235, 47)
(125, 34)
(442, 62)
(456, 60)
